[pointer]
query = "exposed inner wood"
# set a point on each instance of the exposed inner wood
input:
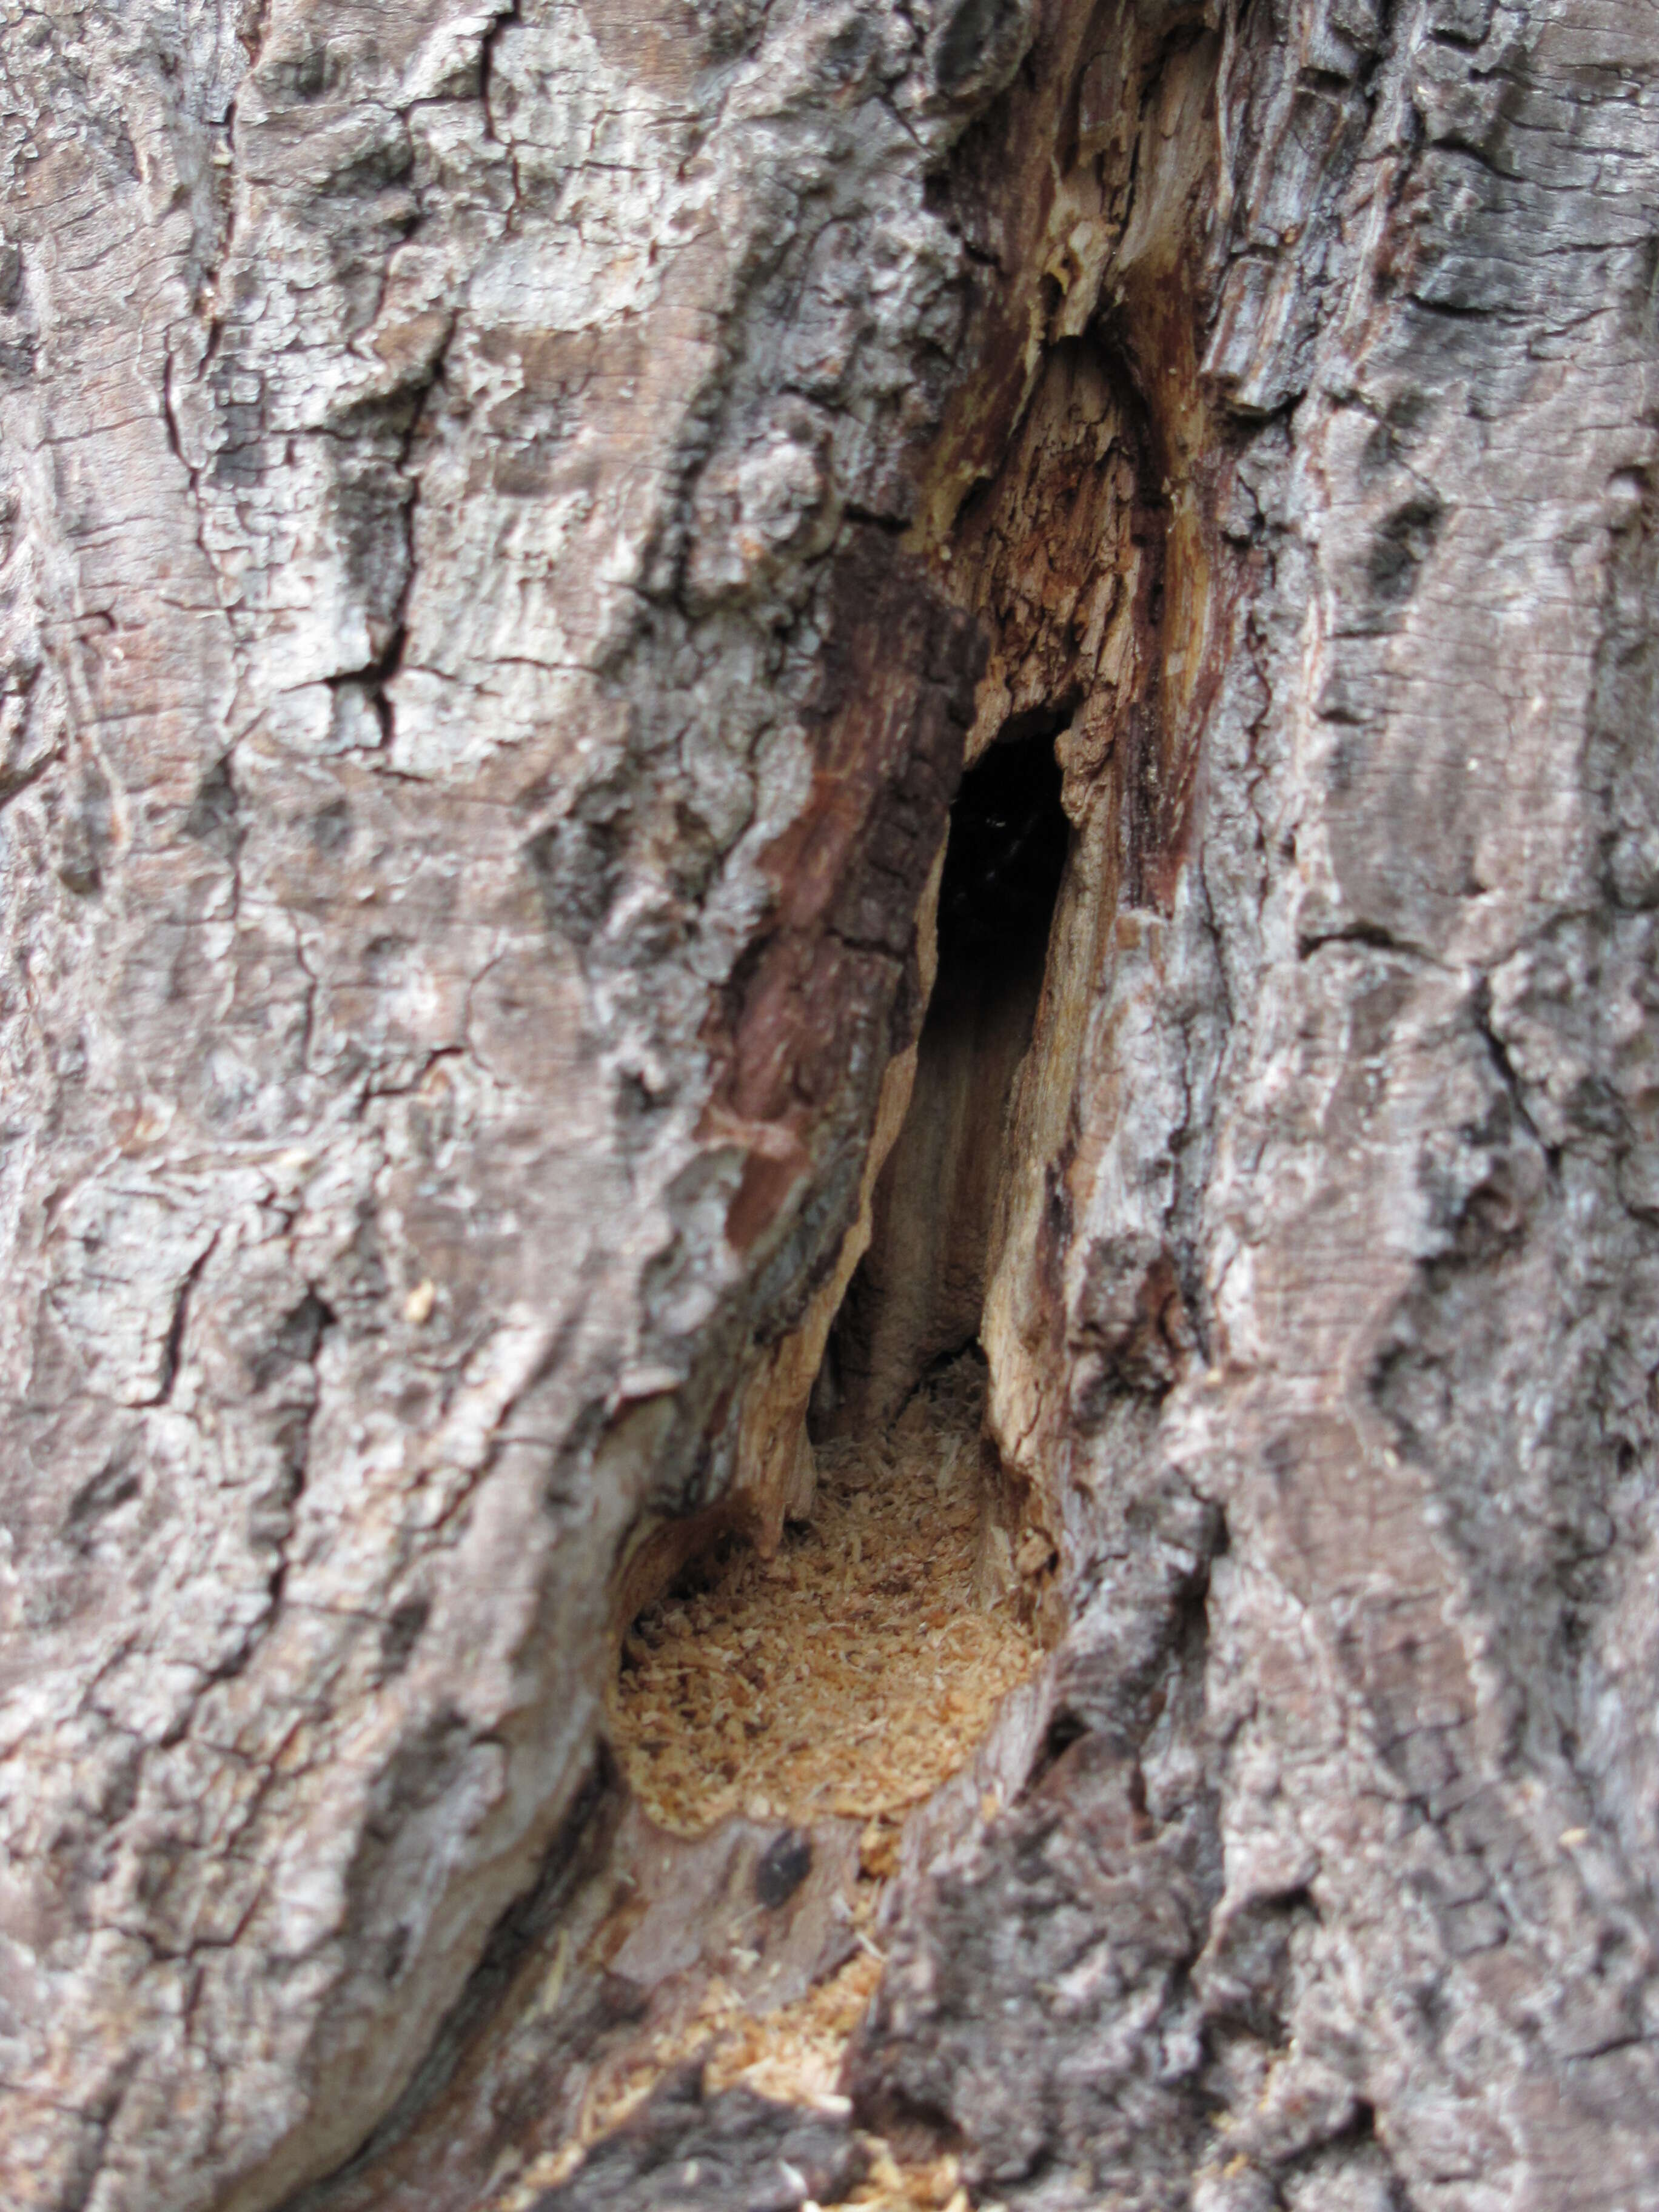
(776, 1473)
(811, 1664)
(919, 1293)
(824, 1677)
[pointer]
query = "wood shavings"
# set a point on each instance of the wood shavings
(793, 2054)
(907, 2185)
(851, 1675)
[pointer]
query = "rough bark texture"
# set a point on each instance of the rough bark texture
(514, 518)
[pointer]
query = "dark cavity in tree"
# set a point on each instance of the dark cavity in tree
(1009, 840)
(919, 1293)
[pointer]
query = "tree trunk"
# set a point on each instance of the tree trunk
(517, 519)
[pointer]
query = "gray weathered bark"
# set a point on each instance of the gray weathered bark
(515, 517)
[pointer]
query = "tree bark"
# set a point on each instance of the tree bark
(516, 519)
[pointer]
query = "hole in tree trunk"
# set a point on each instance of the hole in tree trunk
(783, 1686)
(844, 1678)
(919, 1293)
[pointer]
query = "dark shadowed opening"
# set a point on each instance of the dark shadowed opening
(919, 1292)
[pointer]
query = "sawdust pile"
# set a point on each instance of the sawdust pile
(850, 1676)
(847, 1677)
